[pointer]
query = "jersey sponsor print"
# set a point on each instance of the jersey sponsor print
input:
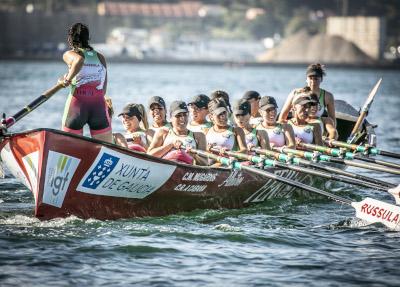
(120, 175)
(59, 171)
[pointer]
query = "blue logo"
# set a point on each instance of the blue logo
(102, 169)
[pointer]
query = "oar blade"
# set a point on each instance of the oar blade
(396, 193)
(374, 211)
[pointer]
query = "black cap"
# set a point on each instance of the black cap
(267, 102)
(178, 107)
(251, 95)
(200, 101)
(314, 98)
(131, 110)
(217, 106)
(302, 100)
(241, 107)
(157, 100)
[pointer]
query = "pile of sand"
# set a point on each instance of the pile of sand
(305, 48)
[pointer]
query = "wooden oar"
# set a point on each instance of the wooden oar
(370, 210)
(347, 155)
(362, 148)
(8, 122)
(319, 157)
(299, 161)
(364, 112)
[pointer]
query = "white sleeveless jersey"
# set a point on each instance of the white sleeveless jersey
(276, 135)
(305, 133)
(225, 139)
(187, 140)
(251, 138)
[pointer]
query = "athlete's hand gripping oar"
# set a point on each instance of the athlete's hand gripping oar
(269, 162)
(347, 155)
(364, 112)
(370, 210)
(362, 148)
(299, 161)
(8, 122)
(311, 156)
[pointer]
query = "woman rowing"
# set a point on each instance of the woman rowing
(198, 107)
(315, 74)
(169, 143)
(253, 137)
(326, 123)
(304, 132)
(279, 134)
(253, 98)
(132, 116)
(87, 78)
(158, 112)
(222, 134)
(219, 94)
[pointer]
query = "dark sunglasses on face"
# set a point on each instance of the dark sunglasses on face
(156, 108)
(180, 115)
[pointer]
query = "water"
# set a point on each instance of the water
(296, 241)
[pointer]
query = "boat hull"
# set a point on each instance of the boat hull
(73, 175)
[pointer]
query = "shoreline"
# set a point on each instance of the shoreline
(233, 64)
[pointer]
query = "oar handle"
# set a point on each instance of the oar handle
(10, 121)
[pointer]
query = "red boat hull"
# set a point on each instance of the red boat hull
(73, 175)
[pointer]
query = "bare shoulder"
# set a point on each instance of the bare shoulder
(328, 95)
(70, 56)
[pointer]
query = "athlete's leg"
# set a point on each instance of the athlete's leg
(74, 117)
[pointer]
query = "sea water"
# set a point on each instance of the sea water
(307, 241)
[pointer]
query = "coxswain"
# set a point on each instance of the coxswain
(315, 74)
(171, 143)
(198, 108)
(279, 134)
(254, 138)
(304, 132)
(253, 98)
(87, 79)
(222, 134)
(134, 119)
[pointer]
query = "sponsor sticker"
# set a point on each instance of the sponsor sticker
(59, 171)
(120, 175)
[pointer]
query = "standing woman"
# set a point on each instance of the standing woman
(87, 78)
(279, 134)
(222, 134)
(315, 74)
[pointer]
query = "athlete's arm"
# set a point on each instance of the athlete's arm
(289, 136)
(74, 62)
(200, 139)
(330, 106)
(317, 134)
(263, 139)
(330, 128)
(286, 108)
(156, 147)
(104, 63)
(240, 139)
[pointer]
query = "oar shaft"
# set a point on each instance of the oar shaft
(389, 154)
(343, 172)
(377, 161)
(323, 149)
(33, 105)
(365, 166)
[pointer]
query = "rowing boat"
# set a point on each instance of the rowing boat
(75, 175)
